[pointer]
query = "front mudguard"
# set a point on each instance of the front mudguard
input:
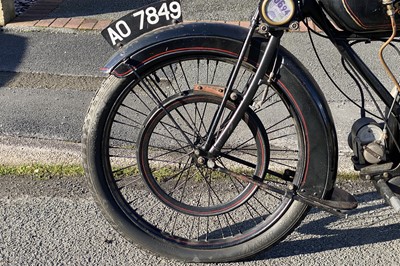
(227, 40)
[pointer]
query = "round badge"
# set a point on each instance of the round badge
(277, 12)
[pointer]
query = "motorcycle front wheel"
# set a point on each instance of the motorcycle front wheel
(142, 142)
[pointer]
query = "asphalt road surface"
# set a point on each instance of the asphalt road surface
(56, 222)
(47, 80)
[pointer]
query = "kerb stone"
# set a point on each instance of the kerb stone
(7, 11)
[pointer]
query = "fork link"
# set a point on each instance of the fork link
(267, 59)
(232, 79)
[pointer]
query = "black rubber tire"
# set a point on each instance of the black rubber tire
(95, 138)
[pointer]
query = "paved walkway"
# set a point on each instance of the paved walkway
(39, 15)
(89, 15)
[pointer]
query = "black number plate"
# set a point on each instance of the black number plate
(142, 20)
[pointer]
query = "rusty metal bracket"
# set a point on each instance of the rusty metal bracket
(216, 90)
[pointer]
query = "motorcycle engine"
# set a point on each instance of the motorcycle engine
(367, 140)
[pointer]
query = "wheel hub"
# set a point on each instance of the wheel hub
(197, 172)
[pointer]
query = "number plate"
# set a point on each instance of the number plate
(142, 20)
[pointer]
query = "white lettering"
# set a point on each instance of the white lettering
(141, 14)
(114, 36)
(123, 29)
(153, 15)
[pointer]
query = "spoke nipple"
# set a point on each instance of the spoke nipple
(197, 152)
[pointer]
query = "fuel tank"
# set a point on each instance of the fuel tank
(359, 16)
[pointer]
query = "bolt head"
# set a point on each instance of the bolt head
(201, 160)
(234, 96)
(385, 175)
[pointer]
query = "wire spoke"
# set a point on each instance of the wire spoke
(159, 171)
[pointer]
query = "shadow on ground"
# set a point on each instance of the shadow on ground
(12, 51)
(326, 234)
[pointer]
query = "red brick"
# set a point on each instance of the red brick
(88, 24)
(60, 22)
(232, 22)
(245, 24)
(27, 23)
(303, 27)
(189, 21)
(45, 22)
(316, 28)
(74, 23)
(102, 24)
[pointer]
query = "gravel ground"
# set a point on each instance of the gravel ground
(55, 222)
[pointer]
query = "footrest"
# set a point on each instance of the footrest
(340, 200)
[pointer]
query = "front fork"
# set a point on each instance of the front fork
(340, 199)
(213, 148)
